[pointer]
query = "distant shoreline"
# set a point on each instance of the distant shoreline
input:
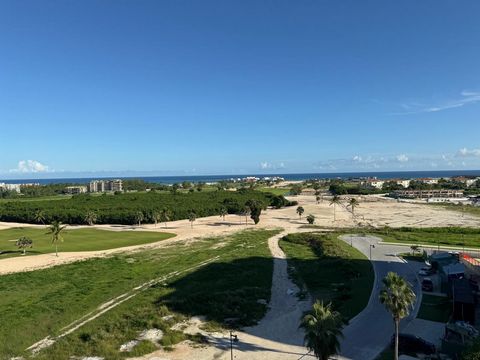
(287, 177)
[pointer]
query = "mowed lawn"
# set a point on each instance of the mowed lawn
(40, 303)
(330, 269)
(75, 240)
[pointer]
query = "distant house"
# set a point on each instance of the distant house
(428, 181)
(373, 182)
(75, 190)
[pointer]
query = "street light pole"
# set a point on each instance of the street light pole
(371, 246)
(233, 338)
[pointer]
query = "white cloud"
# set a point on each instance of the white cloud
(468, 152)
(466, 97)
(402, 158)
(30, 166)
(265, 165)
(357, 158)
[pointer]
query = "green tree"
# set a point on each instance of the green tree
(24, 243)
(223, 212)
(300, 211)
(139, 217)
(323, 328)
(255, 207)
(353, 203)
(39, 217)
(317, 199)
(165, 216)
(398, 298)
(156, 216)
(335, 201)
(414, 249)
(174, 189)
(55, 230)
(311, 219)
(192, 217)
(296, 189)
(90, 217)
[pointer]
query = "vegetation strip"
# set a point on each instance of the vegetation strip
(48, 341)
(330, 270)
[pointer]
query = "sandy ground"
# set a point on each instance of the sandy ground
(373, 210)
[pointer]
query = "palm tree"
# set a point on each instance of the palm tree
(323, 328)
(55, 230)
(24, 243)
(39, 216)
(139, 217)
(353, 203)
(398, 297)
(192, 217)
(246, 212)
(300, 211)
(335, 201)
(223, 212)
(165, 216)
(311, 219)
(317, 199)
(90, 217)
(156, 216)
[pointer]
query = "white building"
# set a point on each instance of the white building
(11, 187)
(105, 185)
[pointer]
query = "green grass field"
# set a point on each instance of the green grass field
(75, 240)
(275, 191)
(331, 270)
(40, 303)
(468, 237)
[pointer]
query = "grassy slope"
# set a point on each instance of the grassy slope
(443, 236)
(40, 303)
(332, 272)
(75, 240)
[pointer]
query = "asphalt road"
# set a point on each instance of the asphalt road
(369, 333)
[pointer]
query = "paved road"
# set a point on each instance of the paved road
(370, 331)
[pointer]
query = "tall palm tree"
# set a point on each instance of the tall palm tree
(39, 216)
(353, 203)
(246, 211)
(223, 212)
(139, 217)
(323, 328)
(90, 217)
(192, 217)
(335, 201)
(156, 216)
(300, 211)
(165, 215)
(398, 297)
(55, 230)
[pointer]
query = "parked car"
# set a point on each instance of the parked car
(426, 271)
(427, 284)
(408, 343)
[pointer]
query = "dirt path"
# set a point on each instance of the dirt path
(277, 335)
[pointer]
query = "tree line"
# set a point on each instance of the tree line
(134, 208)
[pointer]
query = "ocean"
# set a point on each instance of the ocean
(304, 176)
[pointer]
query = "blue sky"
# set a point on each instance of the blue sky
(205, 87)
